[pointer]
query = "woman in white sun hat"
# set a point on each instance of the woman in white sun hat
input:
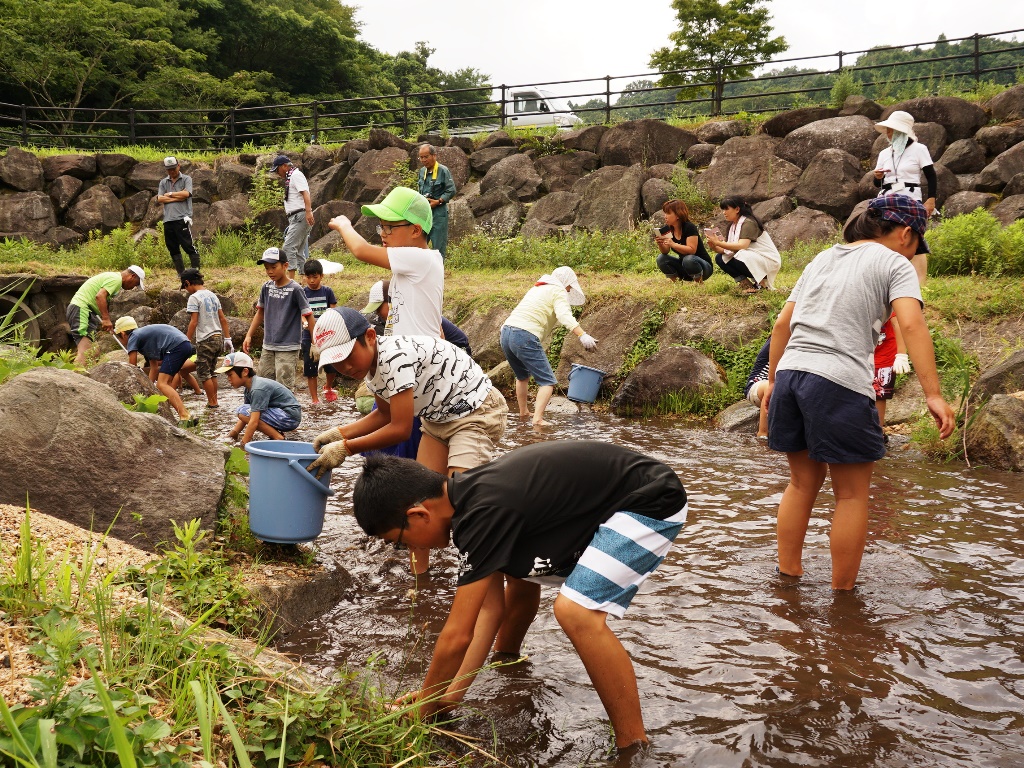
(549, 301)
(901, 164)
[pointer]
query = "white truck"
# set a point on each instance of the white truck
(533, 106)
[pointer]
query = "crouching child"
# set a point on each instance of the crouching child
(270, 407)
(592, 517)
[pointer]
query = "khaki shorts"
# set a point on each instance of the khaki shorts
(208, 351)
(279, 366)
(471, 440)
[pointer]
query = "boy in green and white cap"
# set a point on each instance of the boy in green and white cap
(417, 271)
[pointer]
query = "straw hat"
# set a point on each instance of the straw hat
(899, 121)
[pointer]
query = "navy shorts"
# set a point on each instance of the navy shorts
(310, 367)
(175, 358)
(835, 425)
(525, 356)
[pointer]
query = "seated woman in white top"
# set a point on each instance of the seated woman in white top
(528, 327)
(747, 253)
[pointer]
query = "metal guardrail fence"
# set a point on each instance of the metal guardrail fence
(335, 120)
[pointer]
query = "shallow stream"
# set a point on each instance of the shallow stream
(923, 665)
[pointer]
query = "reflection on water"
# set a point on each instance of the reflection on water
(922, 665)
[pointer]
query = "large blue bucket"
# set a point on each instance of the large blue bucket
(286, 503)
(584, 383)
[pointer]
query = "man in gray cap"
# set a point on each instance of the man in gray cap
(175, 192)
(298, 209)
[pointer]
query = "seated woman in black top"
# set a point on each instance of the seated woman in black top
(682, 252)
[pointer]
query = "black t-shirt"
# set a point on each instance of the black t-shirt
(544, 502)
(689, 230)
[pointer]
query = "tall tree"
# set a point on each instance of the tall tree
(730, 38)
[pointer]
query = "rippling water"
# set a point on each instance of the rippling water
(923, 665)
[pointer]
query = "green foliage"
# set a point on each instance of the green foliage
(142, 404)
(976, 243)
(737, 364)
(701, 207)
(646, 343)
(21, 356)
(957, 370)
(845, 85)
(583, 251)
(266, 194)
(719, 35)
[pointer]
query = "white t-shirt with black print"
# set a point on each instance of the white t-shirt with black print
(447, 384)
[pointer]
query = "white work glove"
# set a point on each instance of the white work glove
(188, 221)
(902, 364)
(229, 347)
(326, 438)
(589, 342)
(314, 352)
(331, 457)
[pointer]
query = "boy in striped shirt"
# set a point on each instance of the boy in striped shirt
(589, 517)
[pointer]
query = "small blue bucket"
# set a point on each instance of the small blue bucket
(584, 383)
(286, 503)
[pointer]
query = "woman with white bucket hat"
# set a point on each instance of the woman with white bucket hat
(901, 164)
(549, 301)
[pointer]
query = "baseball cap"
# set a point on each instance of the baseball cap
(904, 210)
(235, 360)
(279, 161)
(403, 204)
(271, 256)
(126, 323)
(191, 275)
(170, 162)
(140, 273)
(376, 297)
(335, 333)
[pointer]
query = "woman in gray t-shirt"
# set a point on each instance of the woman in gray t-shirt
(821, 401)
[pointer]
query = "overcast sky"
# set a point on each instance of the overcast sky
(533, 41)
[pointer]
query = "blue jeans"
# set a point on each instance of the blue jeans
(525, 355)
(689, 267)
(277, 418)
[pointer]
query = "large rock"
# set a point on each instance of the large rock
(126, 381)
(854, 134)
(785, 123)
(204, 185)
(1008, 105)
(553, 214)
(116, 184)
(228, 215)
(700, 155)
(115, 164)
(323, 214)
(496, 139)
(461, 221)
(747, 166)
(1014, 186)
(861, 105)
(960, 118)
(949, 184)
(964, 156)
(274, 219)
(803, 224)
(373, 173)
(673, 371)
(655, 193)
(504, 221)
(616, 326)
(457, 163)
(1009, 209)
(26, 213)
(732, 331)
(996, 139)
(482, 160)
(965, 202)
(1002, 379)
(327, 184)
(63, 190)
(775, 208)
(146, 176)
(316, 159)
(80, 166)
(21, 170)
(61, 237)
(998, 173)
(483, 329)
(644, 142)
(743, 416)
(720, 131)
(96, 209)
(560, 171)
(382, 139)
(516, 172)
(492, 200)
(996, 435)
(78, 454)
(830, 183)
(610, 199)
(233, 179)
(585, 139)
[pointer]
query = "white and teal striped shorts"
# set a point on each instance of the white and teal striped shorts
(623, 553)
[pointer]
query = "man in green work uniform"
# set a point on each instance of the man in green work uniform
(435, 183)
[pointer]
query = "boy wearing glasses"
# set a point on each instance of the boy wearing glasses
(417, 271)
(591, 518)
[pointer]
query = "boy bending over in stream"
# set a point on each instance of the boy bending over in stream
(589, 516)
